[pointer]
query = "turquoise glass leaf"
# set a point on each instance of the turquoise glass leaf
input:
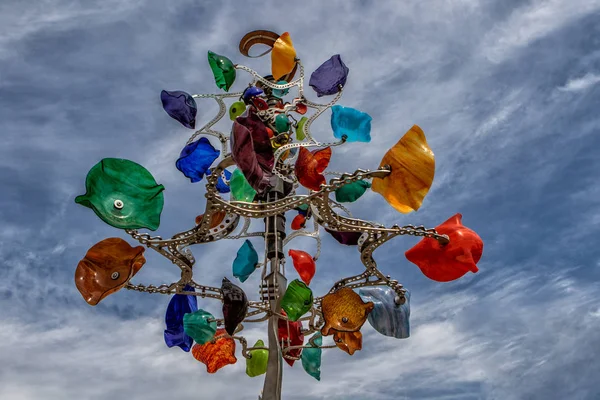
(282, 123)
(123, 194)
(351, 191)
(354, 124)
(279, 93)
(200, 326)
(245, 261)
(311, 357)
(387, 317)
(297, 300)
(223, 70)
(196, 158)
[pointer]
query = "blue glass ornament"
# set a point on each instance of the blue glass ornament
(387, 317)
(179, 305)
(356, 125)
(221, 186)
(279, 93)
(329, 76)
(196, 158)
(250, 92)
(180, 106)
(245, 261)
(311, 357)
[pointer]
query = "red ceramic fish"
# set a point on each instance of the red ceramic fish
(304, 265)
(291, 337)
(444, 263)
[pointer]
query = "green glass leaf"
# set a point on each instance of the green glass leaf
(240, 188)
(300, 129)
(197, 326)
(351, 192)
(123, 194)
(257, 365)
(236, 110)
(282, 123)
(311, 358)
(223, 70)
(297, 300)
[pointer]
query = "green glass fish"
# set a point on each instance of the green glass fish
(297, 300)
(223, 70)
(236, 110)
(351, 192)
(257, 365)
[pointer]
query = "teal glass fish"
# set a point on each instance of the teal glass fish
(257, 364)
(123, 194)
(200, 326)
(387, 317)
(245, 261)
(297, 300)
(354, 124)
(351, 192)
(311, 357)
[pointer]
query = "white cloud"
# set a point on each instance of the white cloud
(580, 84)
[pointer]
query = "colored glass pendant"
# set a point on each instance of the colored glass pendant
(279, 93)
(297, 300)
(236, 109)
(180, 106)
(344, 311)
(298, 222)
(348, 341)
(300, 135)
(346, 238)
(221, 186)
(216, 355)
(223, 70)
(123, 194)
(257, 364)
(413, 167)
(283, 56)
(310, 166)
(301, 108)
(329, 76)
(245, 262)
(453, 260)
(291, 335)
(250, 92)
(387, 317)
(252, 151)
(235, 305)
(351, 191)
(216, 218)
(240, 188)
(179, 305)
(282, 123)
(200, 326)
(311, 358)
(106, 268)
(304, 264)
(353, 124)
(196, 158)
(260, 104)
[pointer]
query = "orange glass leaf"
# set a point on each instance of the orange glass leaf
(453, 260)
(310, 166)
(283, 56)
(344, 311)
(348, 341)
(217, 218)
(216, 355)
(106, 268)
(413, 167)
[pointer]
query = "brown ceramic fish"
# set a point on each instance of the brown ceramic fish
(348, 341)
(344, 311)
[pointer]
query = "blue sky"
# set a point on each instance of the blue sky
(507, 93)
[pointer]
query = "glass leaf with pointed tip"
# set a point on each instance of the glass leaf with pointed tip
(311, 357)
(297, 300)
(348, 341)
(200, 326)
(180, 106)
(444, 263)
(344, 311)
(349, 122)
(298, 222)
(235, 305)
(252, 151)
(222, 187)
(245, 262)
(179, 305)
(196, 158)
(329, 76)
(216, 355)
(346, 238)
(413, 167)
(304, 264)
(387, 317)
(279, 93)
(236, 109)
(240, 188)
(351, 192)
(310, 166)
(123, 194)
(223, 70)
(291, 334)
(300, 135)
(256, 365)
(106, 268)
(283, 56)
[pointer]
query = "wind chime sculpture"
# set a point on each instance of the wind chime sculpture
(269, 145)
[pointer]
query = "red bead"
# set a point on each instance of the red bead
(301, 108)
(298, 222)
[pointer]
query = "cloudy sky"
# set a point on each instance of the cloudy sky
(507, 92)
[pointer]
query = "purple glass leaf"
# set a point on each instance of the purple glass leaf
(347, 238)
(180, 106)
(196, 158)
(326, 79)
(235, 305)
(252, 151)
(179, 305)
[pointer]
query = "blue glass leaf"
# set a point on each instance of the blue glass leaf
(250, 92)
(356, 125)
(279, 93)
(179, 305)
(180, 106)
(245, 262)
(327, 78)
(387, 317)
(221, 186)
(196, 158)
(311, 358)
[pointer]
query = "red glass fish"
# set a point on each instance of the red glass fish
(291, 337)
(304, 265)
(216, 355)
(298, 222)
(310, 166)
(444, 263)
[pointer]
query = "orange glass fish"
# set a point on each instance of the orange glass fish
(216, 355)
(344, 311)
(348, 341)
